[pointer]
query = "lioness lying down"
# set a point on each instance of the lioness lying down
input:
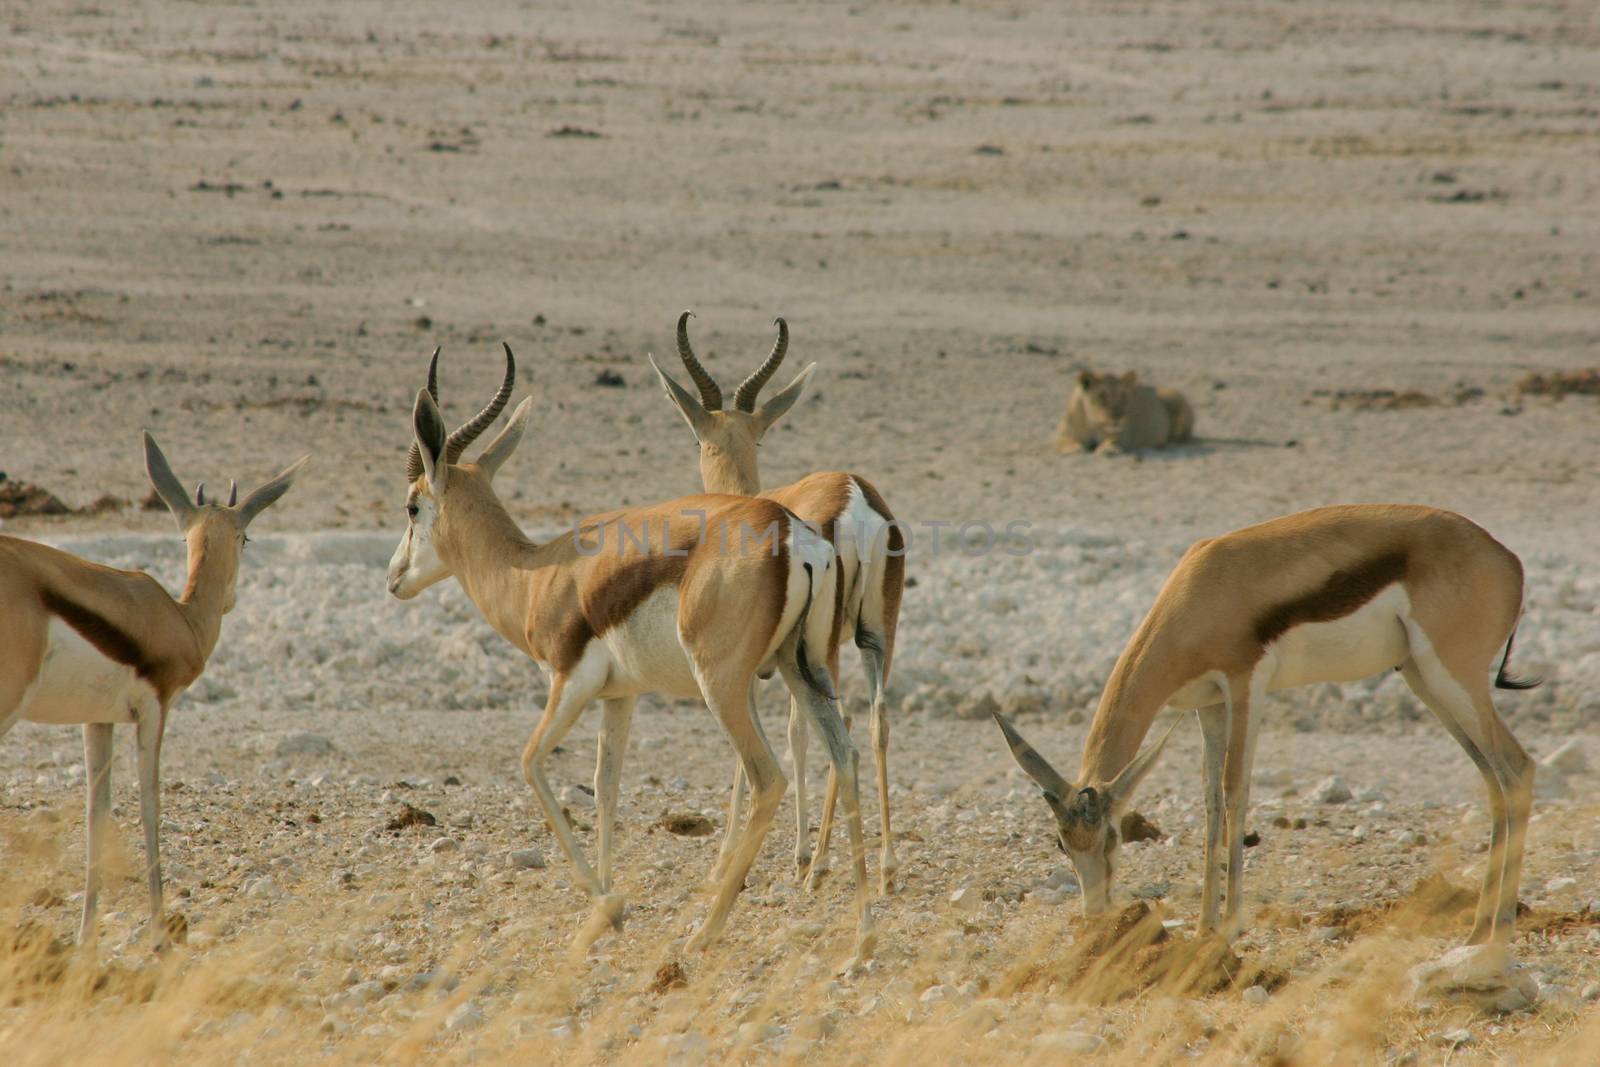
(1113, 413)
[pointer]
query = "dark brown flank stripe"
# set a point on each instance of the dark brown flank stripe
(1344, 592)
(112, 642)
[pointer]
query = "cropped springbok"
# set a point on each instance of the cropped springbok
(850, 513)
(1328, 595)
(690, 598)
(84, 643)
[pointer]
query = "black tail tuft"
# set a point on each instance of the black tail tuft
(1502, 680)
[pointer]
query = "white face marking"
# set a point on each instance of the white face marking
(78, 684)
(415, 564)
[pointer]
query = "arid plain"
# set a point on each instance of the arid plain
(1347, 233)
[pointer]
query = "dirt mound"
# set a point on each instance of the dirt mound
(25, 498)
(1557, 384)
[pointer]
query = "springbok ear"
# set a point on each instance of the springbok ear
(506, 441)
(1056, 788)
(694, 412)
(428, 426)
(779, 404)
(166, 484)
(263, 497)
(1121, 788)
(1130, 378)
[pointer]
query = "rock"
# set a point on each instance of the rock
(577, 797)
(1453, 1038)
(1560, 885)
(1331, 790)
(333, 1025)
(966, 898)
(445, 844)
(1550, 784)
(262, 889)
(1150, 890)
(525, 859)
(302, 744)
(1256, 995)
(465, 1017)
(1369, 795)
(1482, 976)
(1069, 1043)
(1569, 758)
(463, 820)
(1590, 992)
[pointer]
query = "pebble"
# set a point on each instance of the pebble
(262, 889)
(573, 797)
(302, 744)
(1331, 790)
(445, 844)
(464, 1017)
(1408, 838)
(1454, 1038)
(525, 859)
(1569, 758)
(1070, 1043)
(1558, 885)
(1590, 992)
(966, 898)
(1256, 995)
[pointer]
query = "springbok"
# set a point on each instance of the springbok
(90, 644)
(1328, 595)
(690, 598)
(850, 514)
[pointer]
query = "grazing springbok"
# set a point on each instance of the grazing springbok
(1328, 595)
(690, 598)
(90, 644)
(853, 517)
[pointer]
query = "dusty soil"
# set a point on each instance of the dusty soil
(244, 228)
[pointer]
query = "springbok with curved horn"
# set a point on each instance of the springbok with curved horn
(693, 597)
(1328, 595)
(851, 514)
(82, 643)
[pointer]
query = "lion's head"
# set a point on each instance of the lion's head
(1107, 396)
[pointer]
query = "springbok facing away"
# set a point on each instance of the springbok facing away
(673, 599)
(84, 643)
(853, 517)
(1328, 595)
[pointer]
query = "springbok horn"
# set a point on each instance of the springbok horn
(233, 492)
(414, 457)
(200, 494)
(745, 398)
(458, 441)
(710, 392)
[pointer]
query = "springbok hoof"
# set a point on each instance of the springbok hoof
(814, 877)
(604, 917)
(1485, 977)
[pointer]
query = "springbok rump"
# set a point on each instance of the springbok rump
(1333, 594)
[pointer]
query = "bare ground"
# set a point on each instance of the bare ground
(244, 228)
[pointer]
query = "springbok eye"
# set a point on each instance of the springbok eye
(411, 510)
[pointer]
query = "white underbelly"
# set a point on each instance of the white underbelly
(1363, 643)
(645, 653)
(79, 684)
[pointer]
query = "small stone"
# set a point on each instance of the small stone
(1453, 1038)
(966, 898)
(1369, 795)
(1408, 838)
(302, 744)
(1069, 1043)
(1256, 995)
(1569, 758)
(576, 797)
(332, 1024)
(465, 1017)
(1331, 790)
(1560, 885)
(525, 859)
(1590, 992)
(445, 844)
(262, 889)
(934, 993)
(463, 820)
(1550, 784)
